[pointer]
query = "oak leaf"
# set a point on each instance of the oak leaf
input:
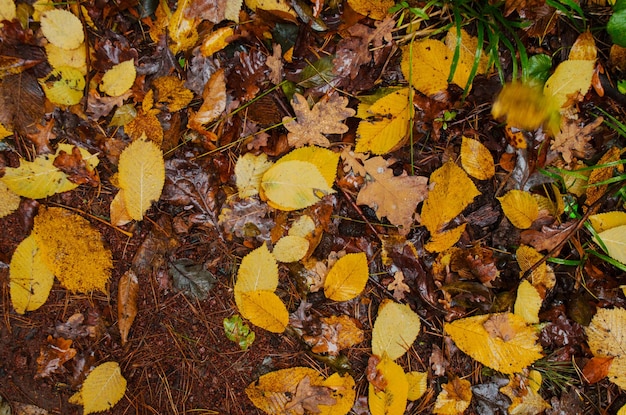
(574, 140)
(398, 286)
(53, 355)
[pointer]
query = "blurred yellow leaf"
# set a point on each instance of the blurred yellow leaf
(375, 9)
(584, 48)
(392, 399)
(570, 82)
(64, 85)
(141, 176)
(614, 240)
(502, 342)
(417, 384)
(279, 5)
(426, 64)
(102, 389)
(520, 208)
(528, 302)
(249, 170)
(605, 221)
(606, 336)
(264, 309)
(119, 79)
(347, 278)
(7, 10)
(476, 159)
(290, 248)
(171, 93)
(454, 397)
(9, 200)
(73, 250)
(395, 329)
(389, 125)
(216, 41)
(30, 279)
(62, 28)
(325, 160)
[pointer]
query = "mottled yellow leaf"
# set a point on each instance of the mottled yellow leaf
(426, 64)
(527, 256)
(264, 309)
(171, 93)
(102, 389)
(520, 208)
(30, 279)
(62, 28)
(605, 221)
(216, 41)
(584, 48)
(391, 400)
(395, 329)
(508, 347)
(118, 80)
(525, 399)
(417, 385)
(290, 248)
(570, 80)
(347, 278)
(614, 240)
(182, 29)
(75, 58)
(9, 200)
(337, 333)
(64, 85)
(476, 159)
(141, 176)
(454, 397)
(325, 160)
(249, 170)
(528, 302)
(389, 126)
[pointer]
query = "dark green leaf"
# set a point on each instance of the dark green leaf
(538, 68)
(617, 27)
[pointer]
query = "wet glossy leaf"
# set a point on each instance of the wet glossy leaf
(62, 28)
(102, 389)
(190, 278)
(454, 398)
(127, 293)
(476, 159)
(30, 279)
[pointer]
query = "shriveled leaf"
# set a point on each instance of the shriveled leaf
(264, 309)
(102, 389)
(290, 248)
(520, 208)
(417, 385)
(30, 279)
(213, 102)
(119, 79)
(395, 329)
(454, 397)
(64, 85)
(238, 331)
(127, 293)
(258, 271)
(9, 200)
(524, 396)
(62, 28)
(615, 241)
(528, 302)
(53, 356)
(606, 336)
(508, 346)
(393, 397)
(347, 278)
(389, 125)
(476, 159)
(570, 80)
(426, 64)
(248, 173)
(191, 278)
(73, 250)
(325, 160)
(337, 333)
(604, 221)
(141, 176)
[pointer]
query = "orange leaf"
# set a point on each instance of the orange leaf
(127, 292)
(597, 368)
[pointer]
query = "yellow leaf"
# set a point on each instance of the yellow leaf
(570, 81)
(279, 5)
(390, 125)
(264, 309)
(117, 80)
(119, 214)
(395, 329)
(454, 397)
(73, 250)
(347, 278)
(441, 241)
(429, 64)
(64, 85)
(7, 10)
(392, 399)
(295, 184)
(249, 170)
(476, 160)
(127, 293)
(542, 276)
(508, 347)
(467, 56)
(325, 160)
(453, 191)
(141, 176)
(605, 221)
(40, 178)
(9, 200)
(528, 302)
(102, 389)
(258, 271)
(584, 48)
(523, 394)
(417, 385)
(30, 279)
(375, 9)
(520, 208)
(182, 29)
(4, 132)
(614, 240)
(303, 226)
(622, 410)
(75, 58)
(171, 93)
(599, 175)
(145, 126)
(290, 248)
(216, 41)
(62, 28)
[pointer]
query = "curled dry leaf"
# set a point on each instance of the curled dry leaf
(53, 356)
(454, 397)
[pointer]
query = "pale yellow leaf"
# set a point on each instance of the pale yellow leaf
(303, 226)
(127, 294)
(118, 80)
(64, 85)
(75, 58)
(614, 240)
(347, 278)
(570, 81)
(249, 170)
(426, 64)
(395, 329)
(605, 221)
(476, 159)
(454, 397)
(264, 309)
(520, 208)
(62, 28)
(9, 200)
(324, 159)
(293, 185)
(417, 385)
(389, 126)
(290, 248)
(393, 398)
(508, 347)
(119, 214)
(7, 10)
(258, 271)
(375, 9)
(30, 279)
(102, 389)
(233, 7)
(141, 176)
(528, 302)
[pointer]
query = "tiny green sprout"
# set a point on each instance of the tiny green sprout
(239, 332)
(181, 62)
(447, 117)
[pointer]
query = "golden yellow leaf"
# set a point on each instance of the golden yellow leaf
(64, 85)
(4, 132)
(264, 309)
(40, 178)
(520, 208)
(9, 200)
(171, 93)
(584, 48)
(570, 82)
(117, 80)
(141, 176)
(127, 293)
(294, 184)
(290, 248)
(476, 159)
(182, 29)
(453, 191)
(73, 250)
(392, 399)
(389, 126)
(249, 170)
(454, 397)
(102, 389)
(605, 221)
(119, 214)
(375, 9)
(7, 10)
(622, 410)
(395, 329)
(325, 160)
(528, 302)
(508, 347)
(417, 385)
(62, 28)
(145, 126)
(279, 5)
(426, 64)
(614, 240)
(467, 56)
(75, 58)
(276, 393)
(216, 41)
(347, 278)
(527, 256)
(441, 241)
(258, 271)
(30, 279)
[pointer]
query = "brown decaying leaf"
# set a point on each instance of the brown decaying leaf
(398, 286)
(374, 376)
(337, 333)
(549, 237)
(597, 368)
(127, 293)
(213, 104)
(308, 397)
(21, 103)
(499, 326)
(275, 63)
(53, 355)
(75, 167)
(573, 142)
(41, 135)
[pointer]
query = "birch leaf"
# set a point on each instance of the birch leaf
(528, 302)
(324, 159)
(127, 293)
(520, 208)
(141, 176)
(615, 241)
(62, 28)
(417, 385)
(264, 309)
(290, 248)
(571, 79)
(605, 221)
(102, 389)
(395, 330)
(430, 60)
(392, 399)
(258, 271)
(476, 159)
(64, 85)
(119, 79)
(606, 336)
(9, 200)
(347, 278)
(30, 279)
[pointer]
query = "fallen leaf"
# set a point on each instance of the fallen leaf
(171, 93)
(324, 159)
(573, 141)
(249, 170)
(593, 190)
(398, 286)
(597, 368)
(570, 80)
(239, 332)
(606, 337)
(426, 65)
(347, 277)
(213, 102)
(64, 86)
(476, 159)
(614, 240)
(454, 397)
(119, 79)
(375, 9)
(520, 208)
(264, 309)
(528, 302)
(604, 221)
(395, 329)
(10, 200)
(337, 333)
(103, 388)
(524, 395)
(290, 248)
(216, 40)
(75, 58)
(53, 356)
(77, 169)
(417, 385)
(62, 28)
(393, 398)
(127, 293)
(30, 279)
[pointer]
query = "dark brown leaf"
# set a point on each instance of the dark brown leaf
(21, 103)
